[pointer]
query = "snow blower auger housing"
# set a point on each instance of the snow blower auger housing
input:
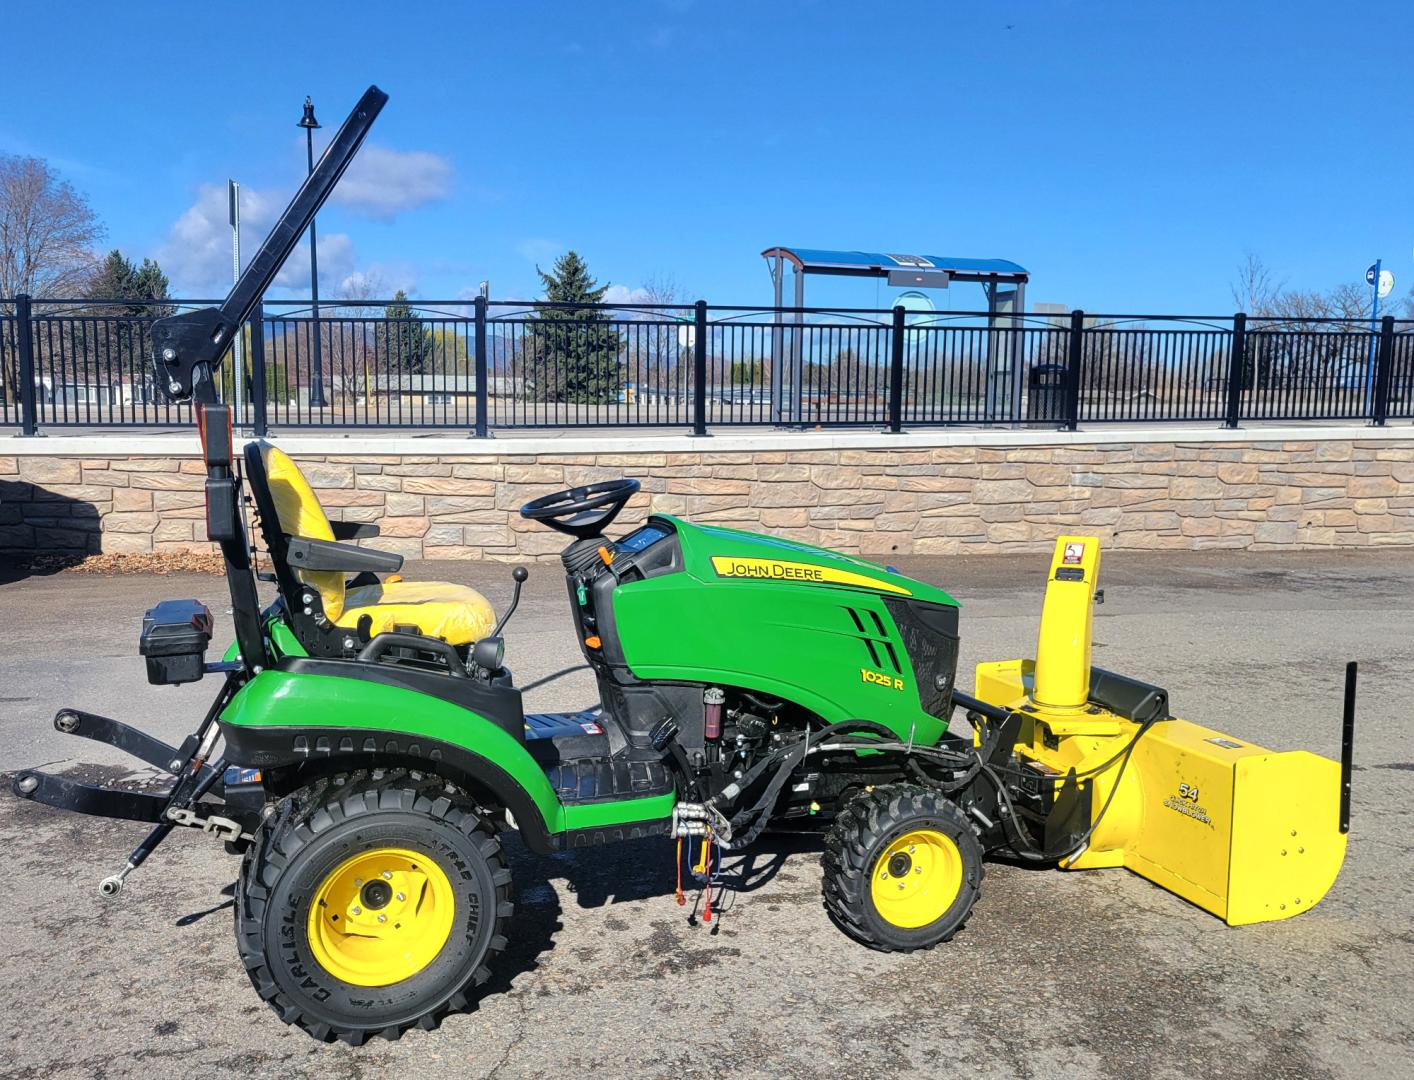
(367, 747)
(1245, 833)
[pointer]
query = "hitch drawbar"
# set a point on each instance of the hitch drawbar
(194, 780)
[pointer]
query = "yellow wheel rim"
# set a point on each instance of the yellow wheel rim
(916, 879)
(381, 916)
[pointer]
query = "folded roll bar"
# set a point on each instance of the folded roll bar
(187, 349)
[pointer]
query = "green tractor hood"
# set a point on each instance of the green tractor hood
(795, 622)
(712, 553)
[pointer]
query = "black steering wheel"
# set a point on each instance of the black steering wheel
(582, 512)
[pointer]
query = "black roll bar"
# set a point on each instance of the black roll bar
(187, 349)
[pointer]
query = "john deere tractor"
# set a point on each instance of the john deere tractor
(367, 748)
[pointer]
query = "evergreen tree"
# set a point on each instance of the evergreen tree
(573, 352)
(120, 345)
(117, 278)
(404, 343)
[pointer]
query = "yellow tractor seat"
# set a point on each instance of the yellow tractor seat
(455, 613)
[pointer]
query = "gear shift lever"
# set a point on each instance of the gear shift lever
(519, 575)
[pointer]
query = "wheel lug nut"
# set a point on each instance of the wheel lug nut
(358, 883)
(387, 875)
(401, 896)
(918, 869)
(382, 918)
(355, 911)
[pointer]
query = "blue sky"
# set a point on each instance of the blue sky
(1128, 154)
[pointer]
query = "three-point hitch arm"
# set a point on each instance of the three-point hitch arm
(187, 349)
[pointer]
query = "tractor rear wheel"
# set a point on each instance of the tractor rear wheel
(371, 903)
(902, 868)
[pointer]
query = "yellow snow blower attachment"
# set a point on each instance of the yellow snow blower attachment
(1246, 833)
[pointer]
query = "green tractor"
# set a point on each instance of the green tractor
(368, 748)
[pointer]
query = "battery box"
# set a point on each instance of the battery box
(175, 635)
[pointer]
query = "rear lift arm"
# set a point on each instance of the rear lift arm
(187, 351)
(188, 348)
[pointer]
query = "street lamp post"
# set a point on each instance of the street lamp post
(316, 380)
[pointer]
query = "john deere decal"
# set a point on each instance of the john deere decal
(779, 570)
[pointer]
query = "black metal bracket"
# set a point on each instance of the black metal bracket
(187, 349)
(66, 794)
(139, 744)
(1347, 744)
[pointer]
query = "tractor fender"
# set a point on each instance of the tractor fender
(283, 718)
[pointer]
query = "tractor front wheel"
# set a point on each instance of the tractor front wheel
(372, 903)
(902, 868)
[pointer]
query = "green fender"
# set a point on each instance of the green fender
(276, 707)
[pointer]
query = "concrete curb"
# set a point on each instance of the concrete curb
(184, 444)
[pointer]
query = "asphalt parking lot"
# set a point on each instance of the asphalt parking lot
(1055, 975)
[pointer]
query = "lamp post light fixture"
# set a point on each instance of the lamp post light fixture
(316, 379)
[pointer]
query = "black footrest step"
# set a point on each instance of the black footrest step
(589, 780)
(559, 725)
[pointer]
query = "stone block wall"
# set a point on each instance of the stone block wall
(1321, 493)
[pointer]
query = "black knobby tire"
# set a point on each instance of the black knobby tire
(862, 832)
(316, 829)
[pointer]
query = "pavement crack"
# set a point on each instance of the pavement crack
(516, 1040)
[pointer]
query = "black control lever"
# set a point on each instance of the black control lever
(519, 575)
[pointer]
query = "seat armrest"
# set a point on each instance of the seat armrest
(353, 530)
(306, 554)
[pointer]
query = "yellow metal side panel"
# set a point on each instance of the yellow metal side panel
(1287, 847)
(1002, 682)
(1183, 839)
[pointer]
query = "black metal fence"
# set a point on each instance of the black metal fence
(483, 366)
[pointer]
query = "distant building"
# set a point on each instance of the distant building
(440, 389)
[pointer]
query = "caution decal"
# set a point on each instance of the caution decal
(805, 573)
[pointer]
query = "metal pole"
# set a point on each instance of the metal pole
(1015, 358)
(699, 368)
(1072, 378)
(990, 406)
(29, 424)
(1374, 329)
(233, 198)
(257, 370)
(1384, 363)
(316, 380)
(797, 351)
(1236, 369)
(778, 273)
(896, 372)
(482, 389)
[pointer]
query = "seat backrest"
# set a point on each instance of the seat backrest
(299, 513)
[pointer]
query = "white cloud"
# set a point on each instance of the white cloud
(336, 262)
(383, 183)
(622, 294)
(197, 252)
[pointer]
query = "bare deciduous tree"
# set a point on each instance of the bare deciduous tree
(48, 232)
(1256, 289)
(655, 351)
(1302, 336)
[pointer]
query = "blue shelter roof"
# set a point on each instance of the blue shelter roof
(875, 264)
